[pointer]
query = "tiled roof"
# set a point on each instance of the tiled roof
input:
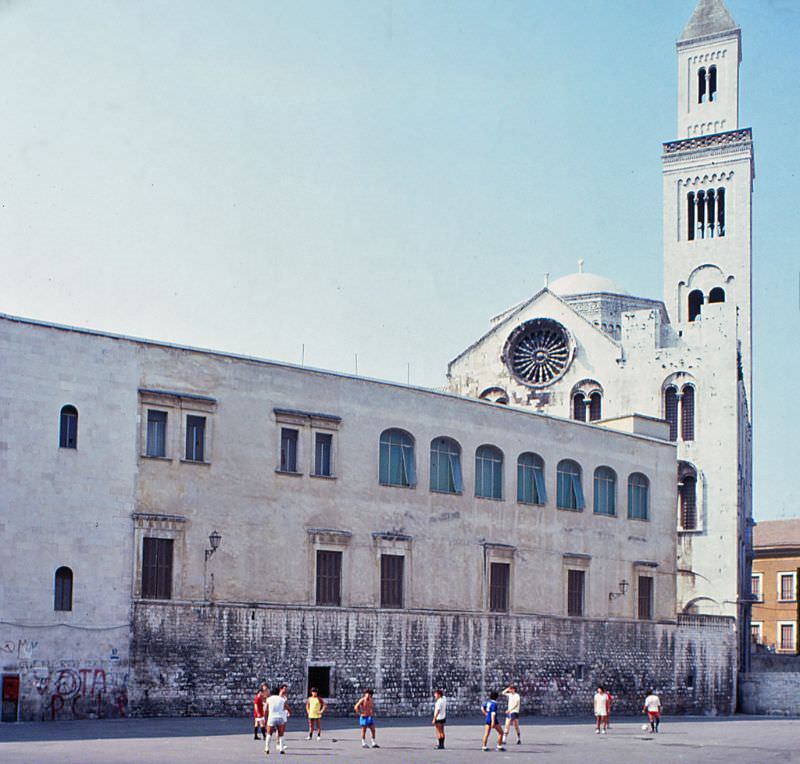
(776, 533)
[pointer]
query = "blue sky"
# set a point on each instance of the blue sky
(370, 177)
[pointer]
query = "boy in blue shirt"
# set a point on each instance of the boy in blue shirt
(489, 709)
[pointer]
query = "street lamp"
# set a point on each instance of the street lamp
(213, 541)
(623, 587)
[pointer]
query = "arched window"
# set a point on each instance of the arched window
(68, 429)
(530, 479)
(595, 406)
(579, 407)
(690, 214)
(687, 495)
(712, 83)
(701, 84)
(494, 395)
(638, 496)
(62, 590)
(710, 212)
(720, 212)
(397, 465)
(701, 214)
(717, 294)
(489, 473)
(687, 413)
(569, 491)
(671, 411)
(696, 300)
(446, 466)
(605, 491)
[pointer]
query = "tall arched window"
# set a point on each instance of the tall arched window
(62, 590)
(397, 465)
(720, 212)
(701, 85)
(687, 496)
(690, 215)
(712, 83)
(687, 413)
(579, 407)
(696, 300)
(446, 466)
(717, 294)
(605, 491)
(530, 479)
(595, 407)
(710, 213)
(671, 411)
(638, 496)
(489, 472)
(68, 428)
(569, 490)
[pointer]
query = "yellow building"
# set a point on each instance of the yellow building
(776, 547)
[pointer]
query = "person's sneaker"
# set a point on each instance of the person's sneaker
(603, 732)
(363, 743)
(501, 748)
(318, 736)
(519, 741)
(597, 732)
(485, 748)
(375, 745)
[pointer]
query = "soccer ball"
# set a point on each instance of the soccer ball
(645, 727)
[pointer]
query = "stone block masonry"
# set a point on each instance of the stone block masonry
(208, 660)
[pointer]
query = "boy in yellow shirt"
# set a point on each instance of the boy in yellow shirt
(315, 707)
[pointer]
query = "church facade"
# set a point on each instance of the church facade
(574, 511)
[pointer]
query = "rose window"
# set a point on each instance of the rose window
(538, 352)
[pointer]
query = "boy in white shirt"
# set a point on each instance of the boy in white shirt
(439, 716)
(278, 713)
(601, 710)
(512, 712)
(652, 705)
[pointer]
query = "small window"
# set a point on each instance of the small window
(712, 83)
(446, 466)
(671, 411)
(595, 406)
(645, 598)
(687, 413)
(786, 587)
(696, 300)
(62, 599)
(530, 479)
(569, 489)
(392, 566)
(638, 496)
(156, 568)
(687, 496)
(195, 438)
(288, 449)
(575, 587)
(578, 407)
(397, 465)
(156, 433)
(756, 632)
(323, 454)
(320, 677)
(717, 294)
(499, 578)
(68, 432)
(489, 472)
(701, 85)
(786, 637)
(329, 577)
(605, 491)
(756, 589)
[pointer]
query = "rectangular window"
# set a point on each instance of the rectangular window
(195, 438)
(329, 577)
(756, 632)
(645, 598)
(575, 584)
(755, 587)
(157, 568)
(323, 451)
(156, 433)
(786, 636)
(392, 566)
(786, 587)
(288, 450)
(499, 578)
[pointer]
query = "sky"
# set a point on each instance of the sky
(315, 181)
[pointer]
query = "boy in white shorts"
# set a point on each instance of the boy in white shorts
(278, 713)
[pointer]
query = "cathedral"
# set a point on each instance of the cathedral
(583, 347)
(574, 510)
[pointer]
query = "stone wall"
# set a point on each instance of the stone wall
(197, 659)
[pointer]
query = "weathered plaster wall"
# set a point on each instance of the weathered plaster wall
(208, 660)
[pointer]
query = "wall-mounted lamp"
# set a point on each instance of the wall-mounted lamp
(623, 587)
(213, 540)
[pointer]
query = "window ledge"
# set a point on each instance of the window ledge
(570, 509)
(157, 458)
(279, 471)
(605, 514)
(447, 493)
(640, 519)
(530, 503)
(490, 498)
(194, 461)
(787, 601)
(396, 485)
(690, 531)
(323, 477)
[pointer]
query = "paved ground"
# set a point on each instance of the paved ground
(754, 740)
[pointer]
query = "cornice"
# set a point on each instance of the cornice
(716, 144)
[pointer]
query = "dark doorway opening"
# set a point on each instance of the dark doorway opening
(320, 677)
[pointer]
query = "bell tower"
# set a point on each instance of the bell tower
(708, 179)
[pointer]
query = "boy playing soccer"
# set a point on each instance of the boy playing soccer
(315, 707)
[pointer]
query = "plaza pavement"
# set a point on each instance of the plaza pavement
(752, 740)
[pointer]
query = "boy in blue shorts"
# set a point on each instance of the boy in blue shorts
(365, 708)
(489, 709)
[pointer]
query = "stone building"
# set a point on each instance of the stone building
(776, 560)
(187, 522)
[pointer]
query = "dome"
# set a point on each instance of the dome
(584, 283)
